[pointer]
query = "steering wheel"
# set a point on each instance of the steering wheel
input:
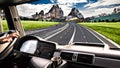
(7, 47)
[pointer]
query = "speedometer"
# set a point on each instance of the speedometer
(46, 52)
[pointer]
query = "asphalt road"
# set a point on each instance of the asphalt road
(68, 33)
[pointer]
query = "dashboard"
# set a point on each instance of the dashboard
(33, 46)
(80, 56)
(39, 49)
(83, 59)
(45, 50)
(29, 46)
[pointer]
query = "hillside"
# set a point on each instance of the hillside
(112, 17)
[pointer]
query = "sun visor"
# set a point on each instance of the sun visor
(13, 2)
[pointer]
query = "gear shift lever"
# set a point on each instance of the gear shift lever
(56, 62)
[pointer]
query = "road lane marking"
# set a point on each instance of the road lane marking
(36, 31)
(107, 39)
(83, 34)
(92, 34)
(57, 32)
(106, 45)
(72, 38)
(84, 37)
(54, 31)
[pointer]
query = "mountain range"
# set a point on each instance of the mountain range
(87, 7)
(57, 14)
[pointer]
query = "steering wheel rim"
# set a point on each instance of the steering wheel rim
(6, 49)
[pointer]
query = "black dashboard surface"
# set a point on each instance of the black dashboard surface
(77, 59)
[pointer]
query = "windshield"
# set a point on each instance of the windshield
(69, 21)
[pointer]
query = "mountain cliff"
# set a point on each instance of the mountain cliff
(75, 15)
(55, 13)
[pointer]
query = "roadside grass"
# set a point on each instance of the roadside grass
(110, 30)
(30, 25)
(5, 26)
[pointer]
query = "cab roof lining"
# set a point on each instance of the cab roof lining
(4, 3)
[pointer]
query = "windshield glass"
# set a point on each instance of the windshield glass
(3, 22)
(70, 21)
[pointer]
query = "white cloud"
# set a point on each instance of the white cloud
(29, 9)
(95, 12)
(53, 1)
(92, 10)
(70, 1)
(102, 3)
(66, 9)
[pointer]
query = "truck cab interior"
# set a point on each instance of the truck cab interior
(35, 52)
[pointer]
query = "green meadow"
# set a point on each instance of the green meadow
(29, 25)
(110, 30)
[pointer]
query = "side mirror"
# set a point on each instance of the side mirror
(35, 46)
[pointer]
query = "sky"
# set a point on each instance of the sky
(88, 8)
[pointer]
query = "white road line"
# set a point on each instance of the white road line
(58, 31)
(103, 37)
(106, 45)
(36, 31)
(108, 39)
(84, 37)
(72, 38)
(83, 34)
(52, 32)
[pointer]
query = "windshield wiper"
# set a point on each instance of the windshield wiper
(89, 44)
(115, 49)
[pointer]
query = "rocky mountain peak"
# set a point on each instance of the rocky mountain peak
(41, 12)
(56, 12)
(75, 13)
